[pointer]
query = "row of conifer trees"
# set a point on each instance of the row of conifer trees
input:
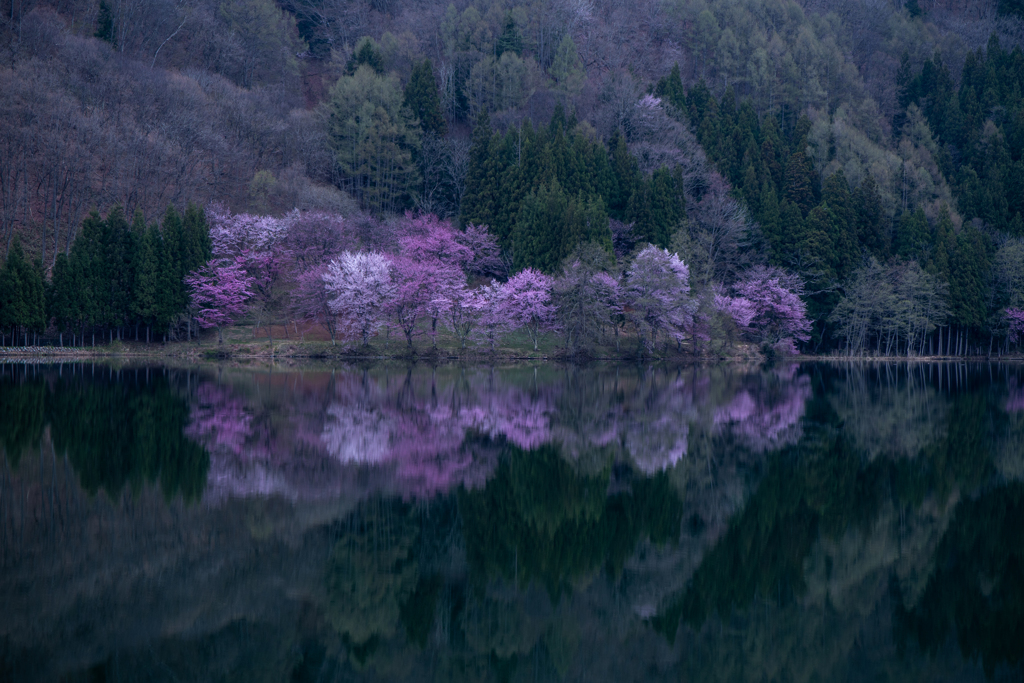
(119, 280)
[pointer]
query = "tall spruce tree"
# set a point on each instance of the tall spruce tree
(422, 99)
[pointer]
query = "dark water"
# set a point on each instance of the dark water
(808, 523)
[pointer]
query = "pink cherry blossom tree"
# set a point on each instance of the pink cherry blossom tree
(312, 302)
(487, 259)
(414, 289)
(528, 303)
(1015, 318)
(219, 293)
(460, 309)
(493, 319)
(655, 295)
(261, 242)
(780, 315)
(361, 285)
(427, 238)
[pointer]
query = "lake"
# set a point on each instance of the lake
(807, 522)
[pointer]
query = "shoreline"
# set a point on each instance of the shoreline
(300, 351)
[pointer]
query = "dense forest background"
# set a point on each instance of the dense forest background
(865, 145)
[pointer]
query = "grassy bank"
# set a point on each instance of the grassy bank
(309, 342)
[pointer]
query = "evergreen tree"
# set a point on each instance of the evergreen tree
(63, 303)
(912, 235)
(871, 231)
(968, 278)
(510, 40)
(422, 99)
(537, 238)
(105, 23)
(800, 183)
(173, 297)
(367, 53)
(481, 185)
(626, 175)
(670, 89)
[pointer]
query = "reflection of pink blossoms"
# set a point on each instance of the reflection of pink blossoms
(219, 420)
(764, 424)
(1015, 401)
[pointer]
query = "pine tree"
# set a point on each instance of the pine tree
(800, 183)
(510, 40)
(105, 24)
(12, 308)
(537, 238)
(968, 278)
(422, 99)
(63, 303)
(366, 53)
(481, 188)
(912, 235)
(626, 173)
(173, 295)
(870, 227)
(670, 88)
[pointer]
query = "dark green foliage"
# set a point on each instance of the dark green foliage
(117, 434)
(913, 9)
(670, 88)
(114, 433)
(969, 274)
(22, 294)
(1015, 7)
(116, 276)
(977, 588)
(912, 236)
(422, 99)
(543, 191)
(22, 419)
(655, 208)
(799, 183)
(510, 40)
(105, 23)
(551, 224)
(367, 52)
(540, 517)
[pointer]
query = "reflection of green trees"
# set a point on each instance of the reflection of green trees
(113, 432)
(823, 485)
(977, 587)
(120, 432)
(539, 518)
(21, 414)
(372, 573)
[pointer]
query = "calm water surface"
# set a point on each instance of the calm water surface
(805, 523)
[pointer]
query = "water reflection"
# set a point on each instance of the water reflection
(548, 523)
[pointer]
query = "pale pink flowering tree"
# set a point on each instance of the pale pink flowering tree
(414, 289)
(492, 317)
(780, 315)
(1015, 318)
(528, 303)
(487, 260)
(362, 287)
(460, 309)
(312, 302)
(261, 242)
(427, 238)
(742, 311)
(438, 281)
(219, 292)
(655, 295)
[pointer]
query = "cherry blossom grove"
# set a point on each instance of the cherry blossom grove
(358, 278)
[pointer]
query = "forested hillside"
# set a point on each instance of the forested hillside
(866, 154)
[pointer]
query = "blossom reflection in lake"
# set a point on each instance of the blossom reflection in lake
(526, 523)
